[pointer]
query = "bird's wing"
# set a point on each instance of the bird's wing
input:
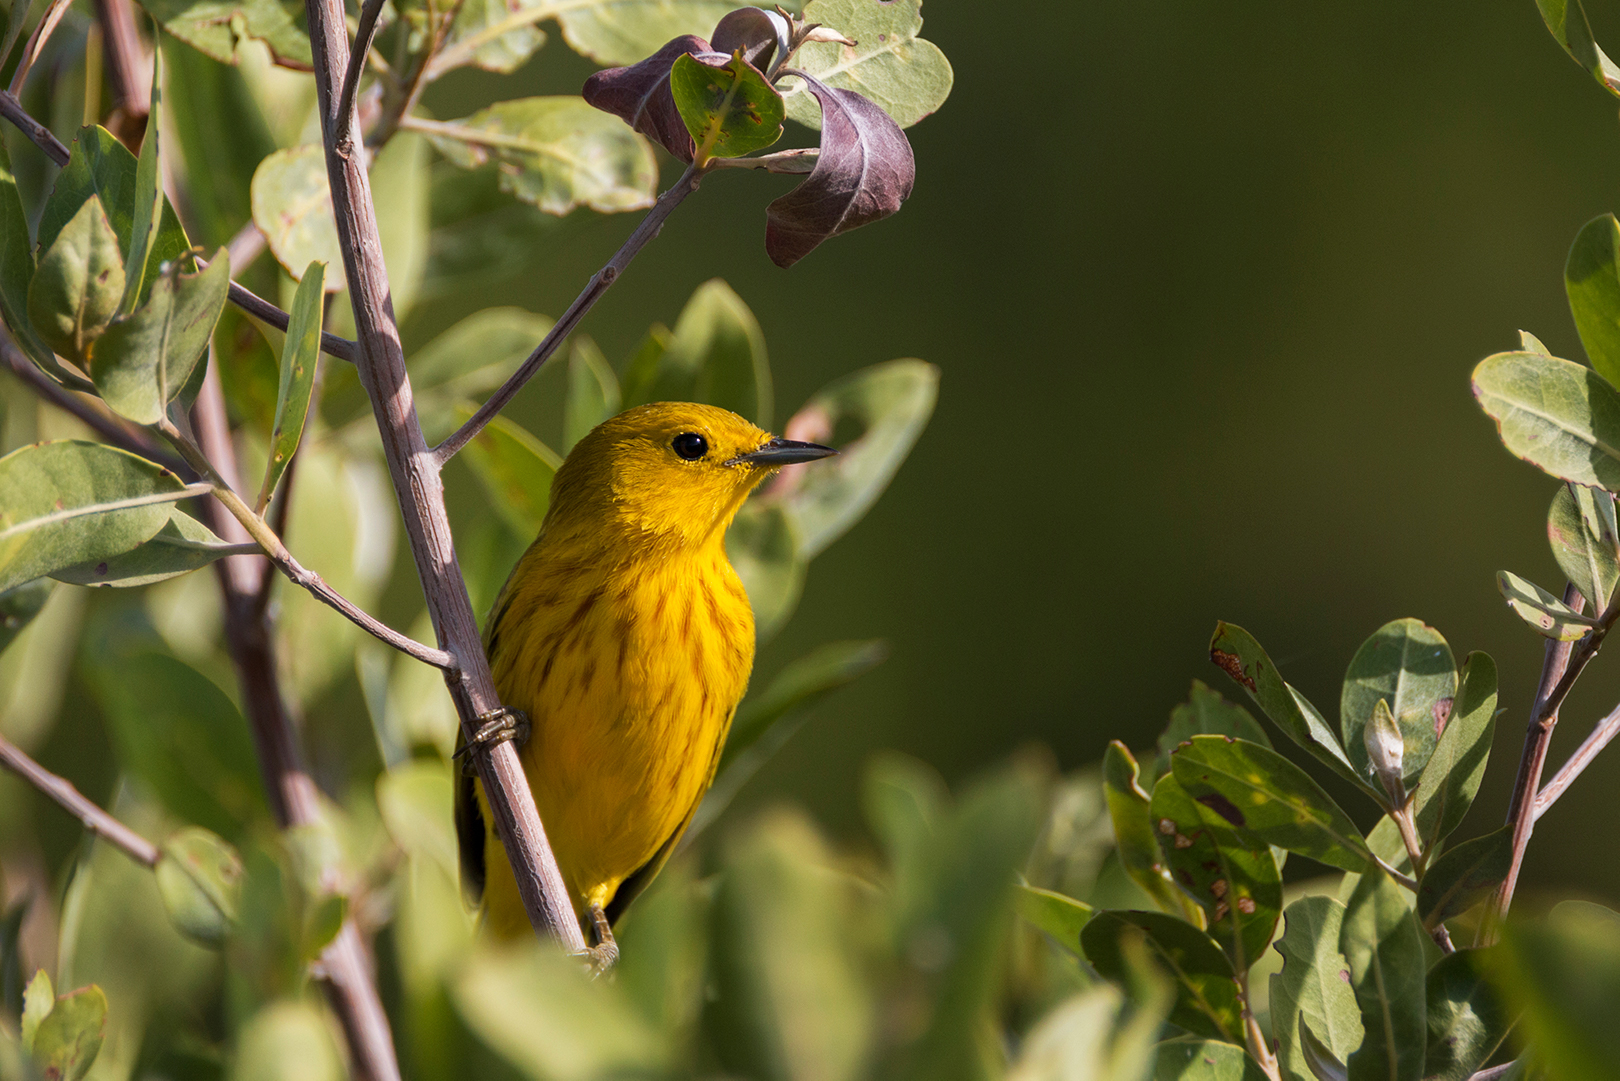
(469, 829)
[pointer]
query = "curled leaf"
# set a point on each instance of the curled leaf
(863, 174)
(1543, 611)
(730, 109)
(640, 94)
(761, 35)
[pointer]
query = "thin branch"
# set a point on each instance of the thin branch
(126, 59)
(1602, 734)
(38, 133)
(420, 490)
(296, 572)
(363, 36)
(600, 282)
(72, 801)
(36, 44)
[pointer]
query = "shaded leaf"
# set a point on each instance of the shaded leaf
(477, 33)
(905, 75)
(889, 405)
(1057, 915)
(222, 136)
(761, 35)
(1561, 417)
(1236, 883)
(624, 31)
(1547, 614)
(1260, 792)
(640, 94)
(515, 469)
(864, 172)
(11, 968)
(68, 1040)
(1206, 988)
(17, 272)
(1384, 946)
(19, 605)
(292, 206)
(300, 359)
(1585, 541)
(1235, 651)
(78, 284)
(217, 27)
(1129, 807)
(1567, 21)
(183, 545)
(729, 109)
(1324, 1066)
(1409, 666)
(1312, 992)
(1467, 1020)
(593, 391)
(716, 355)
(554, 152)
(763, 545)
(1204, 1060)
(1463, 876)
(1072, 1040)
(287, 1041)
(1207, 713)
(1455, 770)
(148, 208)
(199, 877)
(73, 502)
(143, 362)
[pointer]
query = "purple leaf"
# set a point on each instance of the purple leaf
(640, 96)
(865, 171)
(760, 34)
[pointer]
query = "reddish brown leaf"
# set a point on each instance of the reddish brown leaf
(640, 95)
(865, 171)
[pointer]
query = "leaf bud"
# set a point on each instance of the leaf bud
(1385, 749)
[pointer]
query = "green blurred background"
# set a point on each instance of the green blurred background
(1206, 282)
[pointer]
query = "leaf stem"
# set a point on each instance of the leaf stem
(71, 800)
(1389, 869)
(600, 282)
(1402, 816)
(801, 160)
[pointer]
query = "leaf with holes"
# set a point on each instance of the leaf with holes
(729, 109)
(557, 153)
(640, 94)
(864, 172)
(906, 75)
(1206, 987)
(1546, 614)
(1455, 770)
(300, 359)
(1130, 809)
(78, 284)
(1585, 541)
(1463, 876)
(1561, 417)
(1384, 946)
(1409, 666)
(180, 547)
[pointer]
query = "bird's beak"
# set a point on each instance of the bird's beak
(779, 452)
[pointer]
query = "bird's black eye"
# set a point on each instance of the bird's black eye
(690, 445)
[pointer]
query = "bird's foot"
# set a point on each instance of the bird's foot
(496, 726)
(605, 954)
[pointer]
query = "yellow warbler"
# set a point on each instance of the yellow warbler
(625, 636)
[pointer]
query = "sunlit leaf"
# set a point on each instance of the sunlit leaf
(218, 27)
(68, 1040)
(728, 110)
(143, 362)
(1567, 21)
(1546, 614)
(39, 998)
(1467, 1020)
(478, 34)
(1561, 417)
(1464, 875)
(515, 469)
(78, 284)
(1134, 838)
(1585, 540)
(200, 879)
(1060, 916)
(1384, 946)
(183, 545)
(624, 31)
(292, 206)
(906, 75)
(1206, 987)
(300, 359)
(1313, 987)
(1455, 770)
(287, 1041)
(1189, 1059)
(640, 94)
(73, 502)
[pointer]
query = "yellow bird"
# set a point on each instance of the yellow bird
(625, 636)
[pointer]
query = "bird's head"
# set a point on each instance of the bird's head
(672, 472)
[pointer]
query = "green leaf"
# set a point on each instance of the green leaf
(1453, 775)
(1313, 988)
(287, 1041)
(401, 188)
(763, 546)
(300, 359)
(102, 166)
(1237, 884)
(1057, 915)
(199, 877)
(17, 272)
(730, 111)
(1235, 651)
(593, 391)
(1384, 946)
(183, 545)
(1529, 343)
(801, 683)
(515, 469)
(1408, 665)
(1567, 21)
(148, 209)
(906, 805)
(642, 367)
(1207, 713)
(323, 919)
(475, 33)
(175, 731)
(1547, 614)
(39, 998)
(1463, 876)
(789, 1000)
(905, 75)
(1134, 841)
(1467, 1020)
(716, 355)
(475, 355)
(1189, 1059)
(1322, 1064)
(1585, 541)
(11, 969)
(143, 362)
(615, 32)
(222, 137)
(79, 282)
(888, 405)
(73, 502)
(1561, 417)
(557, 153)
(217, 28)
(1206, 988)
(69, 1038)
(292, 206)
(1072, 1040)
(19, 605)
(1563, 974)
(416, 801)
(1257, 790)
(1592, 281)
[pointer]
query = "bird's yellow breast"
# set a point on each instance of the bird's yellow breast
(630, 670)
